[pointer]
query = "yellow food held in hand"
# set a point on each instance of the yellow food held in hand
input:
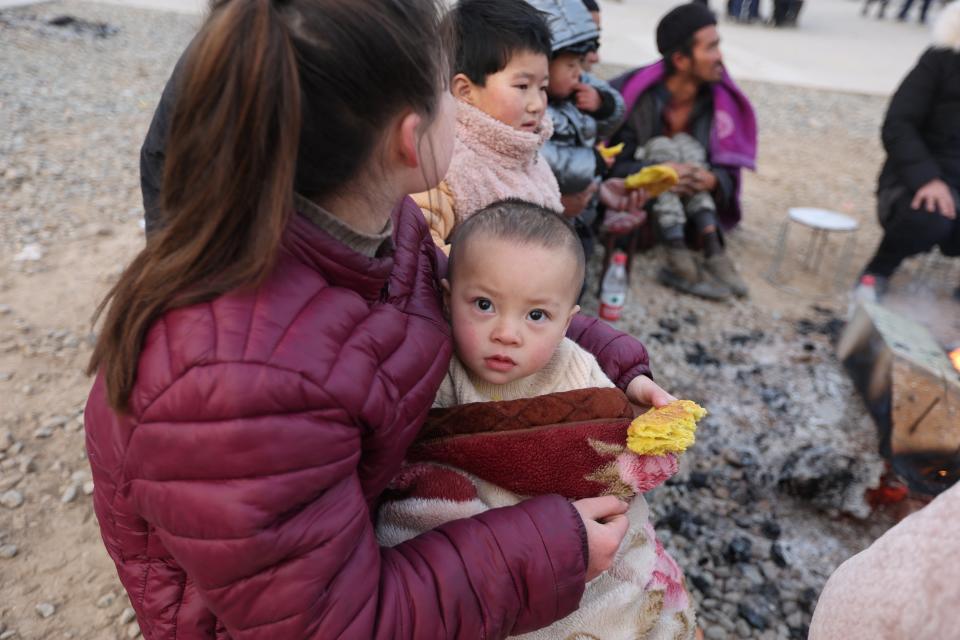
(654, 179)
(610, 152)
(668, 429)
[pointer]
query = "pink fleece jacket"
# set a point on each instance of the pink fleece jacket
(491, 161)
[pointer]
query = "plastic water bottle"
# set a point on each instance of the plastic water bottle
(613, 290)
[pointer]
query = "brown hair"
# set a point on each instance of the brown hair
(523, 223)
(275, 96)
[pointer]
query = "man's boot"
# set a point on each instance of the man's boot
(721, 267)
(682, 272)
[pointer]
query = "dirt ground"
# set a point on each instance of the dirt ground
(69, 190)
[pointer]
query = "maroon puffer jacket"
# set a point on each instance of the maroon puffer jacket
(237, 498)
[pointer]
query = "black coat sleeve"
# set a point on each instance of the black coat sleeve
(153, 151)
(902, 131)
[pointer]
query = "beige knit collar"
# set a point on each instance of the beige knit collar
(488, 136)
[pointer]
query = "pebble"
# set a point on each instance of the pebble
(716, 633)
(133, 630)
(6, 635)
(795, 619)
(6, 439)
(11, 499)
(127, 616)
(8, 551)
(43, 432)
(45, 609)
(29, 253)
(88, 488)
(106, 600)
(69, 494)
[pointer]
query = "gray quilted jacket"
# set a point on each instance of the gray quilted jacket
(570, 152)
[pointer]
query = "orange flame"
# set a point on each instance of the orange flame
(955, 358)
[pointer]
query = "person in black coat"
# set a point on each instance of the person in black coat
(918, 191)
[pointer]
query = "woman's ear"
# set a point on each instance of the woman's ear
(406, 138)
(462, 88)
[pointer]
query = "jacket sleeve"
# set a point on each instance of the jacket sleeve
(610, 118)
(574, 166)
(621, 356)
(438, 209)
(908, 111)
(267, 516)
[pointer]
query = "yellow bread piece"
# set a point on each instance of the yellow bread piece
(668, 429)
(610, 152)
(654, 179)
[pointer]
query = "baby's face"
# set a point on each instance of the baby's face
(510, 306)
(517, 94)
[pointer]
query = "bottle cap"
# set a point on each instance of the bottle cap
(869, 280)
(619, 257)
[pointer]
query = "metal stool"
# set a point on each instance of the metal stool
(821, 223)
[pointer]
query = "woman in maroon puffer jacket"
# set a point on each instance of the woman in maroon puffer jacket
(262, 372)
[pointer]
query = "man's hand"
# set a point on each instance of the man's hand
(606, 524)
(935, 197)
(616, 197)
(645, 392)
(575, 203)
(693, 179)
(587, 97)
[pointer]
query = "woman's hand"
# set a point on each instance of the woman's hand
(935, 197)
(645, 392)
(606, 525)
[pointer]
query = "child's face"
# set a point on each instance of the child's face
(565, 72)
(515, 95)
(510, 306)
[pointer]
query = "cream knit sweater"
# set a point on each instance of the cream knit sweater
(570, 368)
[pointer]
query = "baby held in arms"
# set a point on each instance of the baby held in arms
(512, 419)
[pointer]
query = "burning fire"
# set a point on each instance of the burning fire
(955, 358)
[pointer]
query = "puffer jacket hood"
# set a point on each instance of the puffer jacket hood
(570, 22)
(946, 31)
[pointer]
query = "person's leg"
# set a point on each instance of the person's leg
(904, 10)
(700, 205)
(907, 232)
(681, 270)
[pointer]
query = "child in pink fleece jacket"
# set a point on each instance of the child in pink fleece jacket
(500, 81)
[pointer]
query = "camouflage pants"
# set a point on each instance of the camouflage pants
(669, 209)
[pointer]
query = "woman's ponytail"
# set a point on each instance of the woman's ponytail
(227, 184)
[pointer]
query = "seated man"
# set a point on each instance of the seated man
(917, 192)
(686, 111)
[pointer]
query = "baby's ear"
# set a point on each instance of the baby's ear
(445, 287)
(573, 312)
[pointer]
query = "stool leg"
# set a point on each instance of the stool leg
(608, 244)
(844, 264)
(820, 248)
(811, 247)
(773, 273)
(631, 251)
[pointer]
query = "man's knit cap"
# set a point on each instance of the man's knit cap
(681, 23)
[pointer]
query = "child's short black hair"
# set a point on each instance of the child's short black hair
(490, 32)
(524, 223)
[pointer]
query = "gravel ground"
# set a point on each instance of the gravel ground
(785, 423)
